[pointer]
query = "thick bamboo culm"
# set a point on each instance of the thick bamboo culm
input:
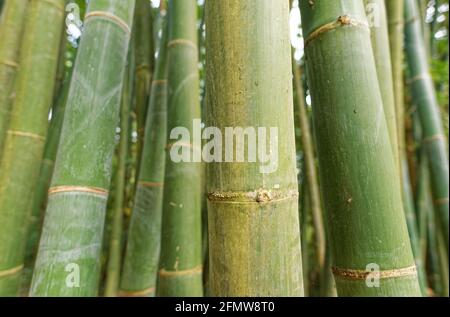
(144, 238)
(180, 271)
(340, 62)
(254, 233)
(11, 27)
(82, 170)
(424, 94)
(25, 140)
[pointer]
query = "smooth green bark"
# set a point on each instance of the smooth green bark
(68, 261)
(253, 225)
(144, 238)
(424, 96)
(11, 28)
(25, 140)
(181, 260)
(362, 198)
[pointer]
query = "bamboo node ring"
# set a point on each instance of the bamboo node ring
(184, 42)
(193, 271)
(26, 135)
(382, 274)
(81, 189)
(111, 17)
(141, 293)
(11, 271)
(343, 20)
(11, 64)
(418, 77)
(159, 82)
(434, 138)
(150, 184)
(260, 196)
(441, 201)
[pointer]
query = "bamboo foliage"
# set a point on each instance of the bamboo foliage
(424, 94)
(181, 261)
(254, 237)
(143, 248)
(25, 140)
(68, 261)
(11, 28)
(339, 61)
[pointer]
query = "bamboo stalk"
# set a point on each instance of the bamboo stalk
(144, 60)
(362, 199)
(395, 11)
(310, 169)
(424, 96)
(115, 245)
(181, 259)
(11, 28)
(25, 140)
(252, 213)
(144, 239)
(68, 261)
(380, 46)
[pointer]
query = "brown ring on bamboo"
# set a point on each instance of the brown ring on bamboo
(143, 292)
(353, 274)
(9, 63)
(433, 138)
(193, 271)
(343, 20)
(111, 17)
(26, 135)
(159, 82)
(418, 77)
(55, 5)
(182, 42)
(150, 184)
(441, 201)
(11, 271)
(260, 196)
(82, 189)
(413, 19)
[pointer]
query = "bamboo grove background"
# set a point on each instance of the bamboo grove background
(90, 90)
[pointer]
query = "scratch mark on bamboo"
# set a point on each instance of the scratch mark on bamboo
(11, 271)
(26, 135)
(141, 293)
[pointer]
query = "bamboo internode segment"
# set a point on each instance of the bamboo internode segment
(110, 17)
(26, 135)
(12, 271)
(141, 293)
(194, 271)
(81, 189)
(10, 63)
(55, 4)
(150, 184)
(341, 21)
(382, 274)
(182, 42)
(259, 196)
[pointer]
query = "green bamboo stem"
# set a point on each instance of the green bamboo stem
(144, 238)
(395, 21)
(45, 174)
(181, 259)
(254, 234)
(310, 169)
(25, 140)
(144, 60)
(11, 28)
(424, 96)
(353, 143)
(68, 261)
(380, 46)
(115, 242)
